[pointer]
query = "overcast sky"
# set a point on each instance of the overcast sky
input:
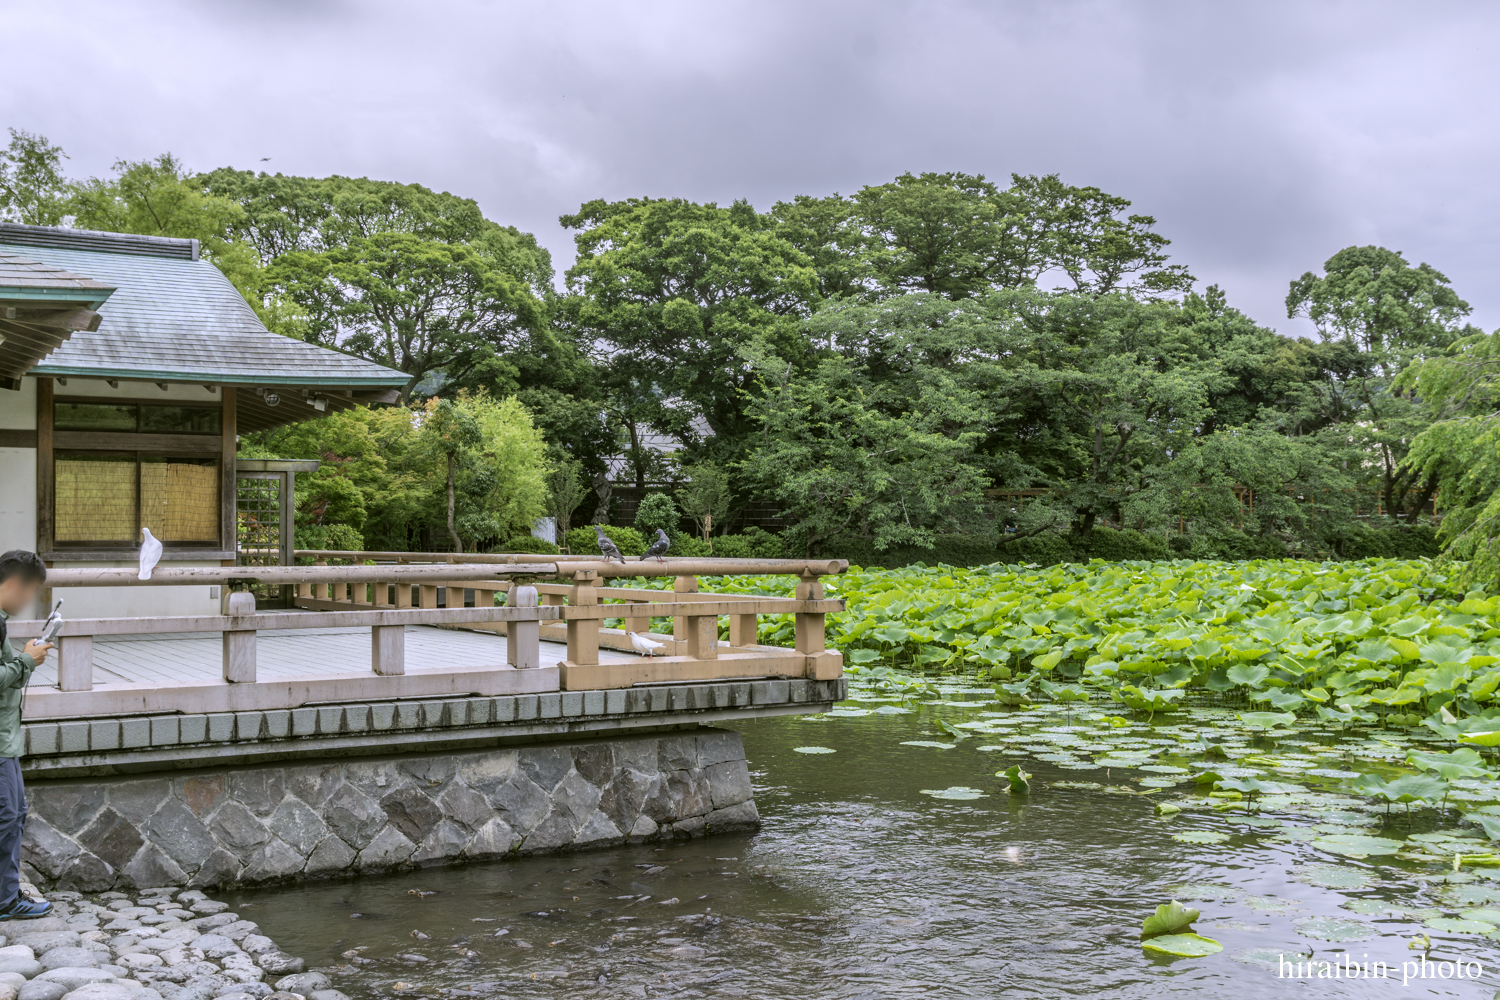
(1262, 136)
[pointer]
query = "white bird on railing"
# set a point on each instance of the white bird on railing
(645, 645)
(150, 554)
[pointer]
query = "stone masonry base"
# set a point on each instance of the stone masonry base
(256, 825)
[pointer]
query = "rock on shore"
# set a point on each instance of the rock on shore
(157, 944)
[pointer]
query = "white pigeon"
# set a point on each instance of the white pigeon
(150, 554)
(645, 645)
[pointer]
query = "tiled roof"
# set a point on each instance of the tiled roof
(178, 318)
(21, 278)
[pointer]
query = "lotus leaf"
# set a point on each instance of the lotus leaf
(1183, 945)
(1357, 845)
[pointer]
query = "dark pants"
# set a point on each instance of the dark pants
(12, 823)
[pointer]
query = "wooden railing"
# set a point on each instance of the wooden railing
(692, 650)
(386, 599)
(242, 688)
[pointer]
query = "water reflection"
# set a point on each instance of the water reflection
(861, 886)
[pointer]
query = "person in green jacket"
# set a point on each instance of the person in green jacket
(21, 575)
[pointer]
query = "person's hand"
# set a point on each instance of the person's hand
(37, 650)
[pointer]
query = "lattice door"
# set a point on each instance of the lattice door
(264, 512)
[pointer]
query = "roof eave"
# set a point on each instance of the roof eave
(91, 297)
(220, 378)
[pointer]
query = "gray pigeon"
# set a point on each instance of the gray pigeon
(659, 547)
(607, 547)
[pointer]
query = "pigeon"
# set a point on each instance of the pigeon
(659, 547)
(150, 554)
(643, 644)
(607, 547)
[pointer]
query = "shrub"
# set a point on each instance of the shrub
(582, 541)
(1399, 542)
(342, 537)
(753, 543)
(689, 545)
(657, 511)
(529, 543)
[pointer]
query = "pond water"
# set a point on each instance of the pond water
(864, 884)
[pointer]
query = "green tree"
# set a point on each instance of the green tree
(961, 235)
(1391, 315)
(705, 498)
(1461, 451)
(841, 464)
(565, 491)
(423, 307)
(33, 190)
(668, 292)
(451, 435)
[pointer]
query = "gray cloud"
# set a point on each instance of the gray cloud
(1263, 137)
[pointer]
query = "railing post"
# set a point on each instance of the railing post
(388, 649)
(75, 663)
(703, 637)
(484, 598)
(743, 630)
(428, 594)
(522, 642)
(403, 594)
(239, 644)
(320, 589)
(682, 585)
(822, 664)
(583, 633)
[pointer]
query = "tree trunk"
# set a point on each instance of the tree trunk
(603, 491)
(458, 545)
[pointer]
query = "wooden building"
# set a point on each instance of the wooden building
(128, 368)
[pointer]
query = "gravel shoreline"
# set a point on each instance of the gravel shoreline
(155, 944)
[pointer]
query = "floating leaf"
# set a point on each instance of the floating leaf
(1459, 925)
(812, 750)
(1357, 845)
(1268, 720)
(1183, 945)
(960, 792)
(1334, 929)
(1200, 837)
(1333, 876)
(928, 743)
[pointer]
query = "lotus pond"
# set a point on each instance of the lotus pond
(1014, 801)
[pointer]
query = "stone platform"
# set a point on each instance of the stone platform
(310, 818)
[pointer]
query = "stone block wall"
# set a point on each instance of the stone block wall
(368, 814)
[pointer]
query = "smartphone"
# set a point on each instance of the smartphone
(53, 624)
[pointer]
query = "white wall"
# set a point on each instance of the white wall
(131, 602)
(18, 406)
(17, 498)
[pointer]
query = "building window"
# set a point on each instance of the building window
(105, 498)
(146, 418)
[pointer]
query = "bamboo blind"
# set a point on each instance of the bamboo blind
(180, 501)
(95, 500)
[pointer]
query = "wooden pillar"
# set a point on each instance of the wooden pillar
(403, 594)
(522, 646)
(75, 663)
(484, 598)
(682, 585)
(428, 594)
(810, 634)
(388, 649)
(742, 630)
(239, 644)
(583, 633)
(46, 484)
(228, 487)
(703, 637)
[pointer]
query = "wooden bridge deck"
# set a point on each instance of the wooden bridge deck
(187, 658)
